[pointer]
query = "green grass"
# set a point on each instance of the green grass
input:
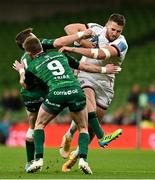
(106, 164)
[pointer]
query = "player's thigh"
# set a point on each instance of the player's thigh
(90, 99)
(104, 94)
(43, 118)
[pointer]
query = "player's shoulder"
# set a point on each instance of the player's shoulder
(94, 25)
(46, 41)
(53, 54)
(122, 38)
(121, 43)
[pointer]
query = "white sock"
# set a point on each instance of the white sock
(76, 152)
(71, 131)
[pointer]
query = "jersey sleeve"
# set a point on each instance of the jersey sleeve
(97, 28)
(121, 45)
(47, 43)
(73, 62)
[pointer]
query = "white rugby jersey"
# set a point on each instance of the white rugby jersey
(120, 43)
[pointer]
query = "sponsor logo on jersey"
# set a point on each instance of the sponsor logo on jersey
(122, 46)
(69, 92)
(53, 104)
(40, 100)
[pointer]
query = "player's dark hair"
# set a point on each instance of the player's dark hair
(32, 45)
(21, 36)
(117, 18)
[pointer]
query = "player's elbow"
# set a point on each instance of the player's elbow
(67, 28)
(101, 55)
(84, 66)
(58, 43)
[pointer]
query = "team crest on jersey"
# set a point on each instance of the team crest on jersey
(122, 46)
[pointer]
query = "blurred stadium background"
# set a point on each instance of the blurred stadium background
(133, 107)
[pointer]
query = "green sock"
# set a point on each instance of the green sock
(83, 142)
(94, 124)
(29, 150)
(39, 142)
(91, 134)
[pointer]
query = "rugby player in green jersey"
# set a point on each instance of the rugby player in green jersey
(53, 69)
(35, 95)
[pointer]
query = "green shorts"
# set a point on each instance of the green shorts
(33, 99)
(58, 99)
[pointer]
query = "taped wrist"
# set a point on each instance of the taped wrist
(103, 70)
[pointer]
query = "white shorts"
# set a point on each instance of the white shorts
(103, 88)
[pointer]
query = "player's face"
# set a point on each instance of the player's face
(113, 30)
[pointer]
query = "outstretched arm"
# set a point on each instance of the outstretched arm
(76, 27)
(66, 40)
(108, 69)
(101, 53)
(88, 67)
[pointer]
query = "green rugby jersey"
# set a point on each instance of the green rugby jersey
(47, 44)
(53, 69)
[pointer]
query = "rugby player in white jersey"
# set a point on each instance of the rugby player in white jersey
(110, 46)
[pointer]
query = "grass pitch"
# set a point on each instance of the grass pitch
(105, 164)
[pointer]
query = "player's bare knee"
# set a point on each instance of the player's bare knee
(32, 117)
(40, 124)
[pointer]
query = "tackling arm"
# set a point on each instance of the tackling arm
(101, 53)
(88, 67)
(74, 28)
(66, 40)
(109, 68)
